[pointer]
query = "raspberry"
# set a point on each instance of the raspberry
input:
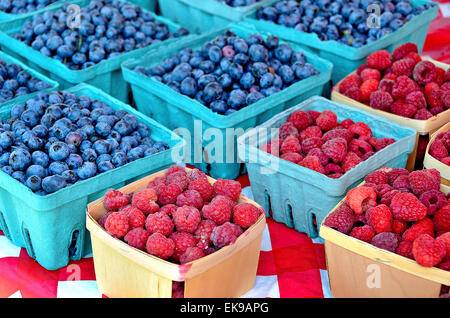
(292, 157)
(160, 246)
(444, 137)
(354, 93)
(361, 130)
(327, 120)
(360, 199)
(273, 147)
(245, 215)
(446, 161)
(288, 129)
(114, 200)
(195, 174)
(433, 200)
(417, 99)
(386, 240)
(403, 66)
(290, 144)
(370, 73)
(313, 114)
(424, 72)
(346, 123)
(300, 119)
(336, 149)
(382, 189)
(349, 82)
(219, 210)
(311, 143)
(405, 249)
(380, 143)
(441, 219)
(403, 86)
(311, 131)
(447, 75)
(424, 180)
(415, 56)
(103, 219)
(436, 110)
(424, 226)
(174, 169)
(225, 234)
(399, 226)
(399, 107)
(313, 163)
(137, 238)
(379, 60)
(445, 99)
(168, 209)
(439, 77)
(350, 161)
(229, 188)
(191, 254)
(186, 219)
(403, 50)
(377, 177)
(381, 99)
(445, 86)
(364, 233)
(338, 132)
(335, 175)
(423, 114)
(379, 218)
(332, 168)
(406, 207)
(159, 222)
(427, 251)
(386, 85)
(145, 200)
(182, 242)
(203, 233)
(320, 155)
(156, 183)
(168, 194)
(446, 239)
(180, 178)
(394, 173)
(341, 219)
(361, 68)
(438, 150)
(360, 147)
(434, 101)
(135, 216)
(203, 187)
(190, 197)
(117, 224)
(387, 197)
(367, 88)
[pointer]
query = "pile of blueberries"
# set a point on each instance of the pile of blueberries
(239, 3)
(107, 29)
(23, 6)
(344, 21)
(15, 81)
(57, 139)
(230, 72)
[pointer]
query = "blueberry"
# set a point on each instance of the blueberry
(70, 176)
(188, 86)
(33, 182)
(102, 147)
(89, 154)
(57, 167)
(19, 176)
(53, 183)
(58, 151)
(87, 170)
(19, 159)
(40, 158)
(36, 170)
(74, 161)
(119, 159)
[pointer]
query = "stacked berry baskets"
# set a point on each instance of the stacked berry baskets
(153, 235)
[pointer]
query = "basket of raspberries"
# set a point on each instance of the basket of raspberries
(187, 231)
(399, 220)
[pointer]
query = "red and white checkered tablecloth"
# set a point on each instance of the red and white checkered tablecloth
(291, 264)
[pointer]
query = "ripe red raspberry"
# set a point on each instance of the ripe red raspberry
(361, 68)
(313, 114)
(360, 199)
(137, 238)
(387, 197)
(180, 178)
(292, 157)
(417, 99)
(406, 207)
(380, 218)
(311, 143)
(135, 216)
(446, 161)
(117, 224)
(338, 132)
(424, 72)
(431, 87)
(434, 101)
(402, 183)
(438, 150)
(370, 73)
(446, 239)
(313, 163)
(191, 254)
(335, 149)
(439, 77)
(191, 198)
(168, 209)
(332, 168)
(182, 242)
(381, 189)
(229, 188)
(381, 143)
(364, 233)
(341, 219)
(186, 219)
(288, 129)
(381, 99)
(386, 85)
(290, 144)
(367, 88)
(379, 60)
(320, 155)
(394, 173)
(354, 93)
(175, 169)
(424, 226)
(427, 251)
(403, 50)
(168, 194)
(405, 249)
(415, 56)
(145, 200)
(361, 130)
(225, 234)
(219, 210)
(403, 66)
(311, 131)
(424, 180)
(103, 219)
(156, 183)
(441, 219)
(245, 215)
(300, 119)
(399, 226)
(160, 246)
(377, 177)
(445, 99)
(203, 233)
(346, 123)
(327, 120)
(445, 86)
(360, 147)
(350, 161)
(273, 147)
(403, 86)
(386, 240)
(203, 187)
(159, 222)
(350, 81)
(195, 174)
(114, 200)
(433, 200)
(423, 114)
(399, 107)
(444, 137)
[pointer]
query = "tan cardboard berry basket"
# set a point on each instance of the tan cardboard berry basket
(125, 272)
(423, 127)
(430, 162)
(357, 269)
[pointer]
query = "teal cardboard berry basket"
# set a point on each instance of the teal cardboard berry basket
(347, 58)
(300, 197)
(49, 226)
(174, 110)
(4, 16)
(105, 75)
(149, 5)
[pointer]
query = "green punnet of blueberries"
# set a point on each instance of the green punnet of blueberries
(344, 21)
(57, 139)
(107, 29)
(231, 72)
(23, 6)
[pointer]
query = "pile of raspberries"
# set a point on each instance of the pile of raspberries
(316, 140)
(402, 212)
(440, 148)
(400, 83)
(180, 217)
